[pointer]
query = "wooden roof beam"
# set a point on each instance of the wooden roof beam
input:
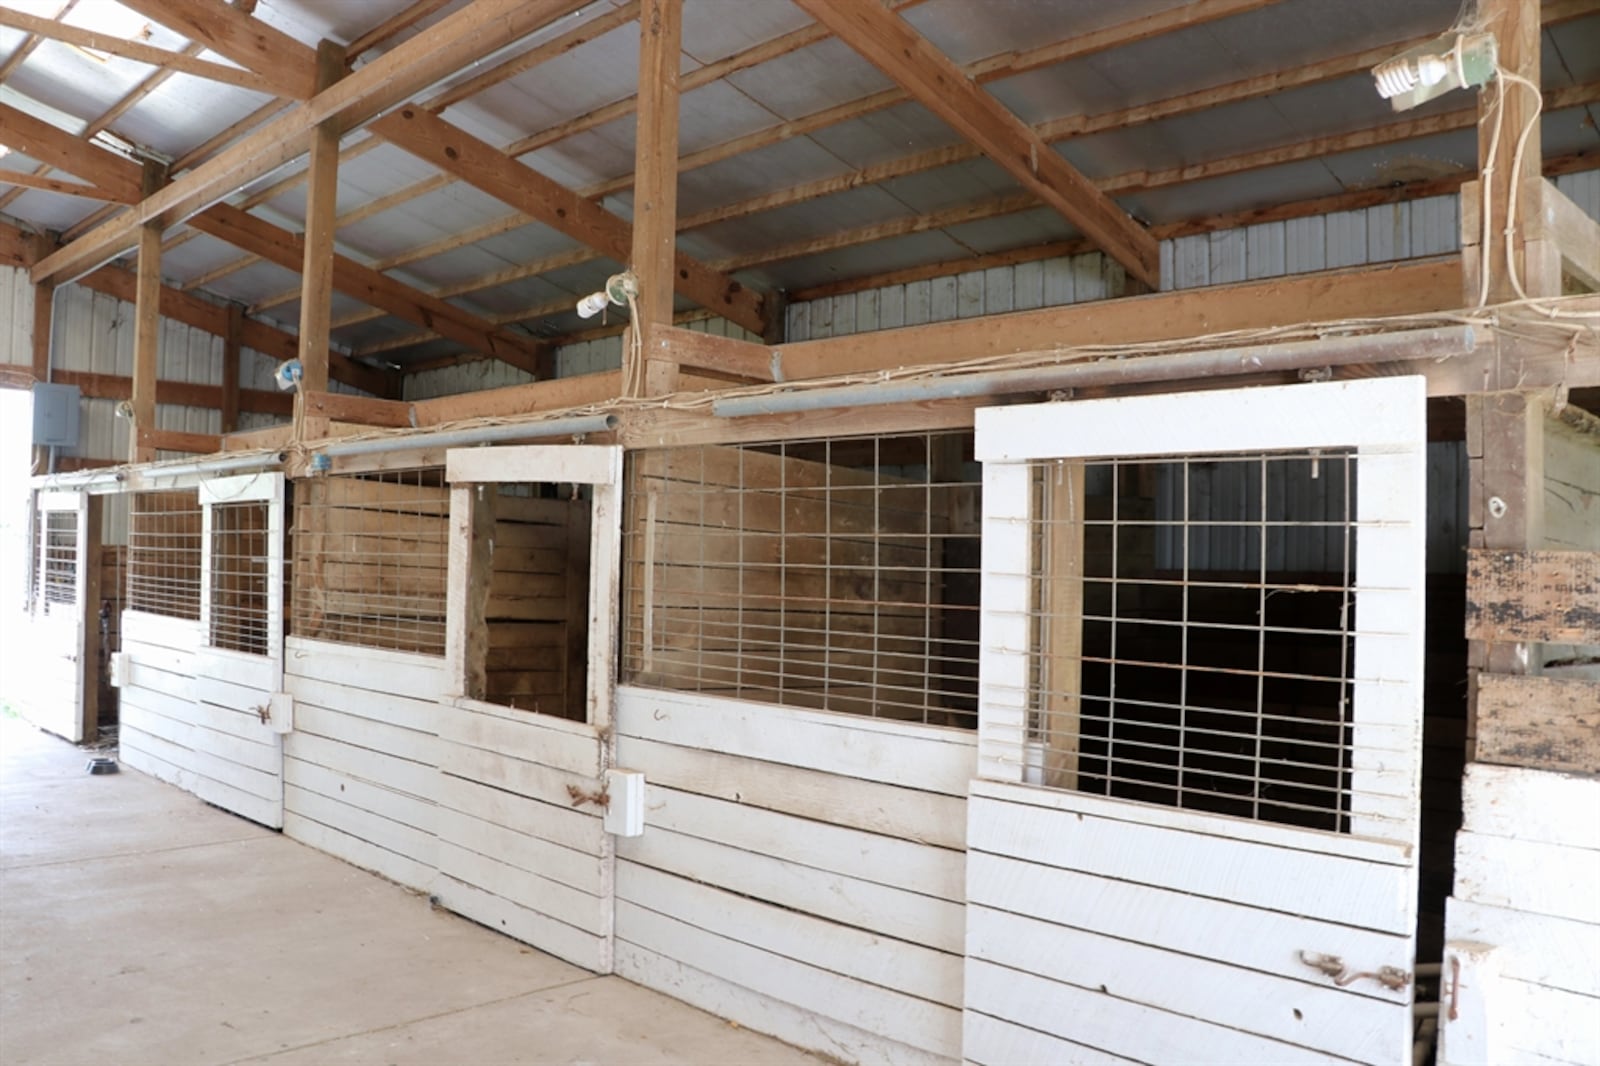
(161, 58)
(490, 170)
(234, 33)
(276, 245)
(455, 42)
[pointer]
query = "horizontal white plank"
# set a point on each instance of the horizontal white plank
(500, 914)
(990, 1041)
(524, 849)
(419, 814)
(514, 775)
(415, 714)
(556, 823)
(386, 833)
(565, 904)
(1352, 891)
(211, 779)
(376, 767)
(253, 759)
(174, 686)
(910, 814)
(1549, 1022)
(158, 657)
(841, 949)
(1528, 876)
(366, 733)
(1319, 1018)
(899, 863)
(764, 1014)
(1114, 1025)
(1556, 952)
(1382, 411)
(898, 1017)
(164, 631)
(252, 671)
(584, 464)
(402, 869)
(523, 734)
(1228, 932)
(1196, 822)
(1532, 805)
(896, 912)
(374, 669)
(930, 758)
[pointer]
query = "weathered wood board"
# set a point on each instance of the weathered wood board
(1533, 596)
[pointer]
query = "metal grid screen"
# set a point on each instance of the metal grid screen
(1194, 624)
(57, 533)
(841, 575)
(240, 546)
(370, 560)
(164, 550)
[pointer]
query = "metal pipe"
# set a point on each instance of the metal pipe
(79, 480)
(254, 460)
(555, 427)
(1407, 346)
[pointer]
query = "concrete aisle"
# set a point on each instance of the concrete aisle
(138, 925)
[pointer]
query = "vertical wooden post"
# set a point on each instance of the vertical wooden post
(147, 326)
(89, 651)
(467, 593)
(1063, 610)
(232, 353)
(655, 187)
(316, 278)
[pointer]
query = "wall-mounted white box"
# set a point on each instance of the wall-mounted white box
(625, 809)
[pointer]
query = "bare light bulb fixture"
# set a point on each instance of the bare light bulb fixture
(620, 288)
(1453, 61)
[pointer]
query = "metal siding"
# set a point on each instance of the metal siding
(16, 302)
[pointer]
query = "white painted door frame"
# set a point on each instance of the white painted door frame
(67, 637)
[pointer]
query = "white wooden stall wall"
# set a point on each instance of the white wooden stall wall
(1528, 888)
(224, 755)
(801, 873)
(516, 852)
(360, 768)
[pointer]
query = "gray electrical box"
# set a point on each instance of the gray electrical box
(55, 415)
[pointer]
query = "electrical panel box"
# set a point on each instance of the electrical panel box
(55, 415)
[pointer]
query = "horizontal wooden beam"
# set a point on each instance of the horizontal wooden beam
(180, 393)
(1411, 288)
(234, 33)
(66, 188)
(139, 53)
(340, 407)
(707, 351)
(1533, 596)
(1544, 723)
(457, 41)
(513, 400)
(1575, 234)
(22, 132)
(174, 440)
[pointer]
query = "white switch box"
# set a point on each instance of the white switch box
(625, 809)
(280, 712)
(119, 669)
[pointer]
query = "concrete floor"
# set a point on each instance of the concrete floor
(139, 925)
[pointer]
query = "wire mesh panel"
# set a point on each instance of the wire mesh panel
(1194, 621)
(240, 567)
(164, 552)
(58, 558)
(370, 560)
(840, 575)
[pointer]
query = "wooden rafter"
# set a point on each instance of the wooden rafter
(231, 32)
(67, 188)
(490, 170)
(393, 26)
(390, 79)
(177, 62)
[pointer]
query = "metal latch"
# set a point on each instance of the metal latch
(1391, 977)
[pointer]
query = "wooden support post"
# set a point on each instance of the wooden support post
(1063, 637)
(89, 654)
(232, 355)
(655, 196)
(467, 594)
(316, 281)
(147, 325)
